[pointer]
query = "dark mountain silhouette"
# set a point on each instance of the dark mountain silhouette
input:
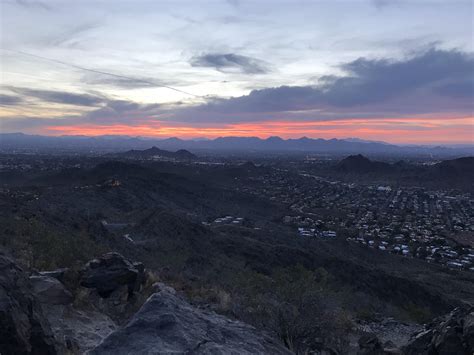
(362, 165)
(181, 154)
(19, 141)
(455, 167)
(455, 173)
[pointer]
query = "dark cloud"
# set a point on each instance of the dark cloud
(372, 81)
(229, 62)
(61, 97)
(460, 89)
(113, 111)
(123, 111)
(283, 98)
(368, 82)
(9, 100)
(124, 106)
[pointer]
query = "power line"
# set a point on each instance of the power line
(99, 71)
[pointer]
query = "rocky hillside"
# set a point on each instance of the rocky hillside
(39, 315)
(167, 323)
(450, 334)
(23, 327)
(308, 294)
(113, 306)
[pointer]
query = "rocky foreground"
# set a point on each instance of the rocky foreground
(112, 306)
(168, 324)
(39, 315)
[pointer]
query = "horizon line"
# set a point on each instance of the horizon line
(361, 140)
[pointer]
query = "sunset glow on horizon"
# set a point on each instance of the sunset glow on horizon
(398, 130)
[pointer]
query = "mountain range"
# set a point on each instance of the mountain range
(20, 141)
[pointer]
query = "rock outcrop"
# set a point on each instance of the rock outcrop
(168, 324)
(49, 290)
(110, 272)
(57, 274)
(23, 327)
(390, 334)
(79, 330)
(370, 344)
(451, 334)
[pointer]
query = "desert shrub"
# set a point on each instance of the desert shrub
(41, 247)
(418, 314)
(294, 304)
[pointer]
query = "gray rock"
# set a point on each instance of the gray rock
(369, 344)
(391, 331)
(451, 334)
(57, 274)
(79, 330)
(110, 272)
(49, 290)
(23, 327)
(167, 324)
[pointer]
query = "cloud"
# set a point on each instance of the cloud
(371, 81)
(9, 100)
(235, 3)
(123, 111)
(380, 4)
(117, 82)
(459, 89)
(61, 97)
(230, 62)
(102, 73)
(428, 80)
(69, 37)
(432, 83)
(33, 3)
(112, 112)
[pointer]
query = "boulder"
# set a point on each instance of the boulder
(451, 334)
(23, 327)
(167, 324)
(369, 344)
(57, 274)
(110, 272)
(78, 329)
(49, 290)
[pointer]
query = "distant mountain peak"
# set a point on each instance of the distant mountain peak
(361, 164)
(275, 139)
(154, 151)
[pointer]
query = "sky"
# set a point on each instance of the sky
(392, 70)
